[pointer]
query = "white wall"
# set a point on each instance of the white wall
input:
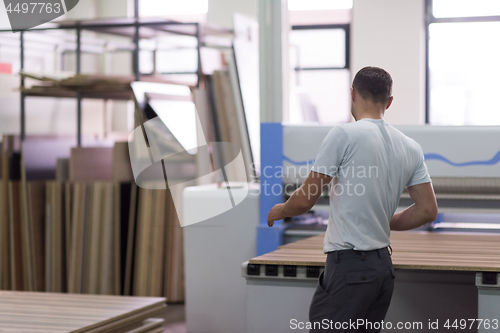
(4, 19)
(391, 34)
(220, 12)
(113, 8)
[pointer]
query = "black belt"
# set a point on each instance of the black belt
(363, 254)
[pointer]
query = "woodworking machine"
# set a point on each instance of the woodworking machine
(464, 164)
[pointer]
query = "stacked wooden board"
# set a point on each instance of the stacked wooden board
(159, 249)
(57, 232)
(70, 230)
(174, 259)
(93, 242)
(39, 157)
(10, 259)
(411, 250)
(31, 312)
(90, 86)
(222, 116)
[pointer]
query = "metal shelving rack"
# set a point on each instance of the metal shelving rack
(130, 27)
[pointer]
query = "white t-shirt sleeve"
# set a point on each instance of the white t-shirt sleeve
(421, 175)
(331, 152)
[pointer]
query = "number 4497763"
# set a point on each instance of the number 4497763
(472, 323)
(34, 7)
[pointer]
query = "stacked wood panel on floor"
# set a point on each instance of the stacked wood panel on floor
(72, 220)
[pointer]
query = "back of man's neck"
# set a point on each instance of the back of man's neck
(369, 116)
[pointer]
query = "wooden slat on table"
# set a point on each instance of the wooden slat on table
(411, 250)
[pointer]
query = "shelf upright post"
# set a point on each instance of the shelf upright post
(198, 47)
(23, 110)
(135, 58)
(78, 92)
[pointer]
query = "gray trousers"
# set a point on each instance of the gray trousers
(355, 287)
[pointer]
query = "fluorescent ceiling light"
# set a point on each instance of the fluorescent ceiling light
(296, 5)
(172, 7)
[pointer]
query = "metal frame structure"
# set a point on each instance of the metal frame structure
(429, 19)
(109, 27)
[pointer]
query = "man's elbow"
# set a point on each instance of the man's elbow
(431, 212)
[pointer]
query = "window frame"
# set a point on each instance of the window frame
(429, 19)
(345, 27)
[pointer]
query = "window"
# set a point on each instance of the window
(463, 62)
(320, 77)
(465, 8)
(175, 57)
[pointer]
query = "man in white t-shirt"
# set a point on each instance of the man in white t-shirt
(370, 163)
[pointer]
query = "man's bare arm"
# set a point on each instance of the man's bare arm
(424, 209)
(302, 200)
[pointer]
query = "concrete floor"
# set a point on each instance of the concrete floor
(175, 319)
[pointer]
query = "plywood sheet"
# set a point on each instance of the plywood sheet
(56, 250)
(15, 236)
(122, 169)
(10, 171)
(41, 153)
(91, 164)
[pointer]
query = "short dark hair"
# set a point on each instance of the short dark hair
(373, 83)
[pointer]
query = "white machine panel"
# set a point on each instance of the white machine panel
(465, 151)
(213, 252)
(461, 151)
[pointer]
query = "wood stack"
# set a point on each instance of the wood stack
(91, 163)
(10, 258)
(39, 156)
(72, 220)
(159, 248)
(56, 244)
(150, 243)
(91, 86)
(33, 225)
(94, 264)
(222, 116)
(174, 258)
